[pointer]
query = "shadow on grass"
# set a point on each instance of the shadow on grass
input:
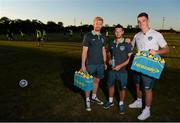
(70, 65)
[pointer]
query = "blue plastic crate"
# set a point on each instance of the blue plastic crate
(86, 84)
(147, 64)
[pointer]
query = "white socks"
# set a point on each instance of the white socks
(87, 99)
(93, 96)
(121, 103)
(147, 108)
(110, 99)
(139, 99)
(87, 102)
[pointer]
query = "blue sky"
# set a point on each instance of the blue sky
(113, 11)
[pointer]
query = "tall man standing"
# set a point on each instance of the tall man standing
(146, 39)
(94, 59)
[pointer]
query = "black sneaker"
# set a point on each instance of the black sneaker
(122, 109)
(96, 100)
(108, 105)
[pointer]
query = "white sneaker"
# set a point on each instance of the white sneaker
(88, 107)
(136, 104)
(144, 115)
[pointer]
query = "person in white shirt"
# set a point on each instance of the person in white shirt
(146, 39)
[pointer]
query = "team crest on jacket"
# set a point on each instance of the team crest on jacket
(122, 48)
(150, 38)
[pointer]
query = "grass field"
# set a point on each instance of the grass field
(51, 96)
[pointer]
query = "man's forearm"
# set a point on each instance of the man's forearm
(104, 54)
(126, 62)
(163, 50)
(84, 56)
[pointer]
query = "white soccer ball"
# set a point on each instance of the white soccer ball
(23, 83)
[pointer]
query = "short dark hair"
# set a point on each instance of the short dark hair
(143, 14)
(119, 26)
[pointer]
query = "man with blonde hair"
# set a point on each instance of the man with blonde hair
(94, 59)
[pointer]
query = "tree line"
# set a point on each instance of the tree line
(27, 26)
